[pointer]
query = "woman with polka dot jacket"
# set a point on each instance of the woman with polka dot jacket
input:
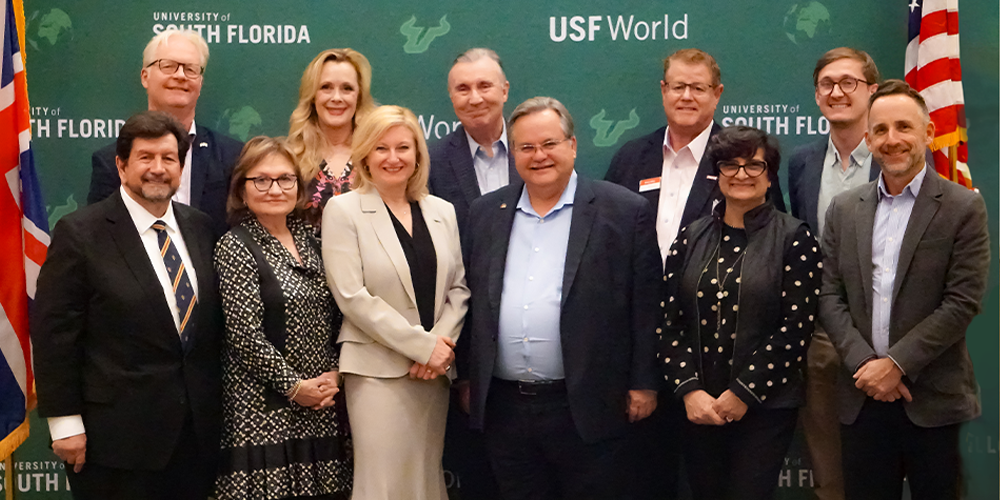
(742, 288)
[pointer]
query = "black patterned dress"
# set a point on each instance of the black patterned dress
(269, 450)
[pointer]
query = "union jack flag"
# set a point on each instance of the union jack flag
(24, 237)
(933, 69)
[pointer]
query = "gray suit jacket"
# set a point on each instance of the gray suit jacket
(940, 280)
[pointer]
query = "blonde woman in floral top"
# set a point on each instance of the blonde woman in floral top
(335, 94)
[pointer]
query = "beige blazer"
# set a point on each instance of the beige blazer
(370, 279)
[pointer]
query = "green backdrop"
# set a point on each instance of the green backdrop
(601, 59)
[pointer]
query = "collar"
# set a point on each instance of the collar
(568, 195)
(859, 155)
(753, 220)
(144, 220)
(696, 146)
(474, 146)
(193, 130)
(913, 186)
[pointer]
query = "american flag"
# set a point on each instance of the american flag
(24, 237)
(933, 69)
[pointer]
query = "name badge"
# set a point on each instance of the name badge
(650, 184)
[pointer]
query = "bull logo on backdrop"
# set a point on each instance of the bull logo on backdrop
(414, 43)
(56, 213)
(804, 20)
(606, 136)
(239, 121)
(51, 27)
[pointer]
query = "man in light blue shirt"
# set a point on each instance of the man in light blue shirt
(907, 259)
(844, 79)
(566, 286)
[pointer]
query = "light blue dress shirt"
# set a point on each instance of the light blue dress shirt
(491, 173)
(891, 218)
(529, 346)
(835, 180)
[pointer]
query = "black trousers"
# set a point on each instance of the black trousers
(883, 446)
(740, 460)
(537, 454)
(654, 450)
(189, 475)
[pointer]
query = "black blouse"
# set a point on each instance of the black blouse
(718, 306)
(422, 259)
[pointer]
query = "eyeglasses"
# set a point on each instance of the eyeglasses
(263, 184)
(753, 168)
(697, 89)
(169, 67)
(847, 85)
(547, 146)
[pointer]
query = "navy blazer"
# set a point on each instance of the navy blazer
(805, 175)
(453, 176)
(106, 347)
(642, 158)
(212, 159)
(611, 308)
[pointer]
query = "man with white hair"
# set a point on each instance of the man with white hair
(173, 67)
(474, 159)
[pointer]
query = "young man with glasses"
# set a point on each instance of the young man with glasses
(844, 79)
(173, 73)
(667, 168)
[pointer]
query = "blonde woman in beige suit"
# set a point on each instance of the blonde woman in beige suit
(394, 264)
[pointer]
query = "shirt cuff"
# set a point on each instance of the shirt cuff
(67, 426)
(863, 361)
(897, 364)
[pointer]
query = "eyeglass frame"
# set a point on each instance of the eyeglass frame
(183, 66)
(545, 147)
(743, 166)
(839, 83)
(694, 90)
(273, 180)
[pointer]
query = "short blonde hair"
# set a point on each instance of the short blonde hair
(371, 130)
(694, 57)
(254, 152)
(163, 39)
(304, 135)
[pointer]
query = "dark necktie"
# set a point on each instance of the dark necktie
(178, 278)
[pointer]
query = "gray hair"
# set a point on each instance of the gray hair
(477, 53)
(163, 38)
(539, 104)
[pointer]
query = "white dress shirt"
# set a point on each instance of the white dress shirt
(676, 179)
(71, 425)
(183, 194)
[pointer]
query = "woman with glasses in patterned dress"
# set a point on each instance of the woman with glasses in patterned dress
(281, 434)
(741, 297)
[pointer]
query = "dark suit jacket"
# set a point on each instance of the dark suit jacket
(213, 157)
(805, 175)
(642, 158)
(453, 176)
(106, 346)
(612, 289)
(940, 280)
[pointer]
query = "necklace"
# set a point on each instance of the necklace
(721, 282)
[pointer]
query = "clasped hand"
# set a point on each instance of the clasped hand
(703, 409)
(440, 361)
(882, 379)
(317, 393)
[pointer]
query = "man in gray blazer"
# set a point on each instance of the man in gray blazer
(907, 259)
(844, 79)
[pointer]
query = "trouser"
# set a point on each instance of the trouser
(883, 446)
(537, 454)
(819, 417)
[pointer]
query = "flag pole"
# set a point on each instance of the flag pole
(952, 162)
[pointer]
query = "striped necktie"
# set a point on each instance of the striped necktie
(178, 278)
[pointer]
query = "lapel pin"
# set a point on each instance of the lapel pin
(503, 205)
(203, 145)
